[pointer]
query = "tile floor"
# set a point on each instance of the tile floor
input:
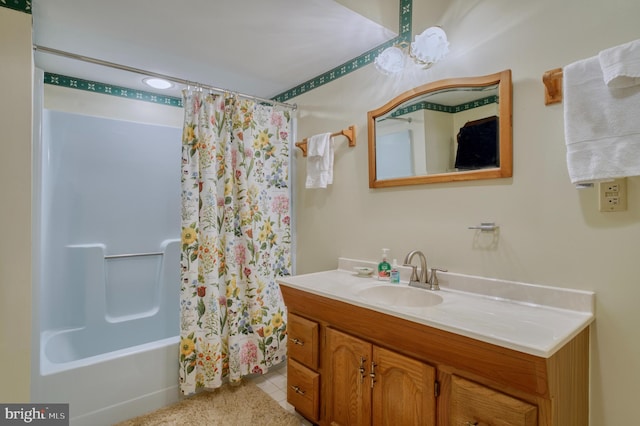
(275, 384)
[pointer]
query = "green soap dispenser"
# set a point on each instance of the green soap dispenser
(384, 268)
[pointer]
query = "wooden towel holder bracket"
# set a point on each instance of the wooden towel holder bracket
(349, 133)
(552, 80)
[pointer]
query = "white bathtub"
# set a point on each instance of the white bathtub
(106, 267)
(107, 388)
(115, 366)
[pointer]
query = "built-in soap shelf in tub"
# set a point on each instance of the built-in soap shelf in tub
(122, 287)
(122, 299)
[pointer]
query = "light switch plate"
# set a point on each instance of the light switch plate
(613, 195)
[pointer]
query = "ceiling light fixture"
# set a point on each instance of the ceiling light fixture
(426, 49)
(157, 83)
(392, 59)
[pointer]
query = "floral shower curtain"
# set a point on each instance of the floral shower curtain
(236, 238)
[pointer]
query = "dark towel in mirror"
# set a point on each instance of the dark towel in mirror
(478, 144)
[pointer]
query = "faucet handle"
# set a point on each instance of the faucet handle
(433, 280)
(414, 272)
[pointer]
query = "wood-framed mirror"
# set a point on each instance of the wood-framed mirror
(455, 129)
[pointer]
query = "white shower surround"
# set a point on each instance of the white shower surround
(110, 355)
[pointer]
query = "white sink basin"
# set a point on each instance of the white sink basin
(396, 295)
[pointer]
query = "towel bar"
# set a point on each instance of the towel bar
(349, 133)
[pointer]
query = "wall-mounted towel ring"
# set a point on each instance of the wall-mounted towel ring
(349, 133)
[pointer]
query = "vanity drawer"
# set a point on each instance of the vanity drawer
(474, 404)
(303, 340)
(303, 389)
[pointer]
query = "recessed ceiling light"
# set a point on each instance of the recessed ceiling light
(157, 83)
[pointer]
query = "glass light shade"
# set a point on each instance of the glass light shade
(391, 60)
(157, 83)
(430, 46)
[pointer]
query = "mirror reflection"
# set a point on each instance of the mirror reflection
(456, 129)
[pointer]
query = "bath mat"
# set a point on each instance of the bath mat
(229, 405)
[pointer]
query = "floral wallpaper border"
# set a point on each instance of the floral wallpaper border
(445, 108)
(21, 5)
(108, 89)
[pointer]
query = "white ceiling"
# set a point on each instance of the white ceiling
(255, 47)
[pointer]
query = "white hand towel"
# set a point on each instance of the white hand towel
(602, 129)
(621, 65)
(319, 161)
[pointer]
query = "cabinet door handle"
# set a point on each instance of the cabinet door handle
(361, 369)
(373, 373)
(297, 341)
(300, 391)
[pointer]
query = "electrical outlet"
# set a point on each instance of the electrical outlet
(613, 195)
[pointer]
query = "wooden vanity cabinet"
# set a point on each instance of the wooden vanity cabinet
(423, 375)
(370, 385)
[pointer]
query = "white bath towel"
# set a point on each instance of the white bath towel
(621, 65)
(602, 129)
(319, 161)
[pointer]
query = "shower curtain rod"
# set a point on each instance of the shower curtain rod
(155, 74)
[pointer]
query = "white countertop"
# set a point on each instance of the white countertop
(534, 319)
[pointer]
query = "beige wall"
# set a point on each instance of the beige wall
(15, 208)
(550, 233)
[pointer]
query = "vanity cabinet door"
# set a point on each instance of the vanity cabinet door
(474, 404)
(404, 391)
(348, 387)
(370, 385)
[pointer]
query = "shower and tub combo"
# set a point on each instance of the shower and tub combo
(106, 266)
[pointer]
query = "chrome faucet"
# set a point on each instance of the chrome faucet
(423, 280)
